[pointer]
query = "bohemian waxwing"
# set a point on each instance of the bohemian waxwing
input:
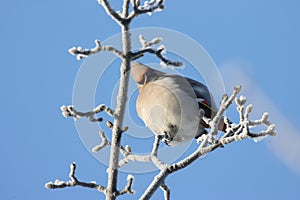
(170, 104)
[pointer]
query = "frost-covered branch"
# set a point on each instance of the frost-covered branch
(74, 182)
(166, 191)
(70, 111)
(146, 48)
(146, 44)
(103, 144)
(125, 8)
(111, 12)
(129, 156)
(156, 145)
(158, 180)
(243, 128)
(226, 102)
(80, 53)
(127, 188)
(149, 7)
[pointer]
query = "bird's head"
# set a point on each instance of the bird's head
(143, 74)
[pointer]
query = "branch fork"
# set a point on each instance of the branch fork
(74, 182)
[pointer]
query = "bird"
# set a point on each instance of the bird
(170, 104)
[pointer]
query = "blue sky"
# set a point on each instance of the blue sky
(252, 42)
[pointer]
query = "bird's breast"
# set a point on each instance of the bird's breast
(167, 107)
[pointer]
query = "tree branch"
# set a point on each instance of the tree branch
(119, 115)
(166, 191)
(74, 182)
(129, 156)
(156, 183)
(149, 7)
(103, 144)
(145, 44)
(125, 8)
(82, 53)
(146, 48)
(156, 145)
(111, 12)
(70, 111)
(127, 188)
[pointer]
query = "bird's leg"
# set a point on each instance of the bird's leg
(165, 138)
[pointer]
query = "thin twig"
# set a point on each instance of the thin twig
(111, 12)
(82, 53)
(70, 111)
(74, 182)
(129, 156)
(127, 188)
(156, 145)
(148, 7)
(103, 144)
(158, 53)
(125, 8)
(145, 44)
(166, 191)
(146, 48)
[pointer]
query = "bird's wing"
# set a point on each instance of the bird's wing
(206, 102)
(204, 98)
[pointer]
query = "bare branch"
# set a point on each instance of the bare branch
(119, 117)
(111, 12)
(146, 44)
(156, 183)
(156, 145)
(132, 157)
(103, 144)
(129, 156)
(158, 52)
(70, 111)
(82, 53)
(74, 182)
(263, 120)
(141, 158)
(166, 191)
(127, 188)
(226, 102)
(125, 8)
(149, 7)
